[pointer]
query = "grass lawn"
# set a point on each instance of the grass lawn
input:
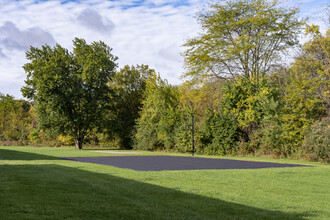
(35, 184)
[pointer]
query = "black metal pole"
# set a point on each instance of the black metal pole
(192, 134)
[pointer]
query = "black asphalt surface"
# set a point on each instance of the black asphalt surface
(159, 163)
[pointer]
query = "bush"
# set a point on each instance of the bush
(316, 145)
(268, 140)
(66, 140)
(220, 133)
(34, 136)
(183, 133)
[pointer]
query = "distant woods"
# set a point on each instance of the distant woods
(244, 98)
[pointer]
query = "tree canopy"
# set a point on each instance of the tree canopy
(129, 84)
(241, 37)
(70, 89)
(15, 119)
(158, 116)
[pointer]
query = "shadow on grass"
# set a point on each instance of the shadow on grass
(19, 155)
(59, 192)
(106, 149)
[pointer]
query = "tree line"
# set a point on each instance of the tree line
(244, 98)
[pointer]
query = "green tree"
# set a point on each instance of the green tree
(201, 96)
(158, 117)
(248, 102)
(129, 84)
(306, 97)
(70, 89)
(7, 110)
(316, 144)
(195, 99)
(241, 37)
(220, 133)
(15, 118)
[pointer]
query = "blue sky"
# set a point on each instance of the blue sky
(139, 31)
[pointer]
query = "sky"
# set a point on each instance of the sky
(147, 32)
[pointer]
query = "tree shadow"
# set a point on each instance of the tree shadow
(106, 149)
(19, 155)
(59, 192)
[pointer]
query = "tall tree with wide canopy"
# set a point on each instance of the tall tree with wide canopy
(241, 37)
(129, 84)
(70, 89)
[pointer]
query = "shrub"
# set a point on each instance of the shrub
(34, 136)
(183, 134)
(220, 133)
(66, 140)
(316, 145)
(268, 140)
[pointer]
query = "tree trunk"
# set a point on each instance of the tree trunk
(78, 143)
(79, 135)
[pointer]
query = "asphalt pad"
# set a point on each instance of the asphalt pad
(159, 163)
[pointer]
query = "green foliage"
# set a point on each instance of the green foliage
(158, 117)
(249, 101)
(241, 37)
(70, 90)
(220, 133)
(241, 41)
(15, 119)
(66, 140)
(7, 107)
(316, 144)
(199, 97)
(306, 95)
(34, 136)
(183, 133)
(196, 99)
(129, 84)
(268, 140)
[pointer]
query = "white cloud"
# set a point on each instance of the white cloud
(93, 20)
(12, 73)
(2, 55)
(13, 38)
(150, 32)
(170, 53)
(140, 32)
(313, 9)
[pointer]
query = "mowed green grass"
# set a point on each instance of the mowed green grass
(35, 184)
